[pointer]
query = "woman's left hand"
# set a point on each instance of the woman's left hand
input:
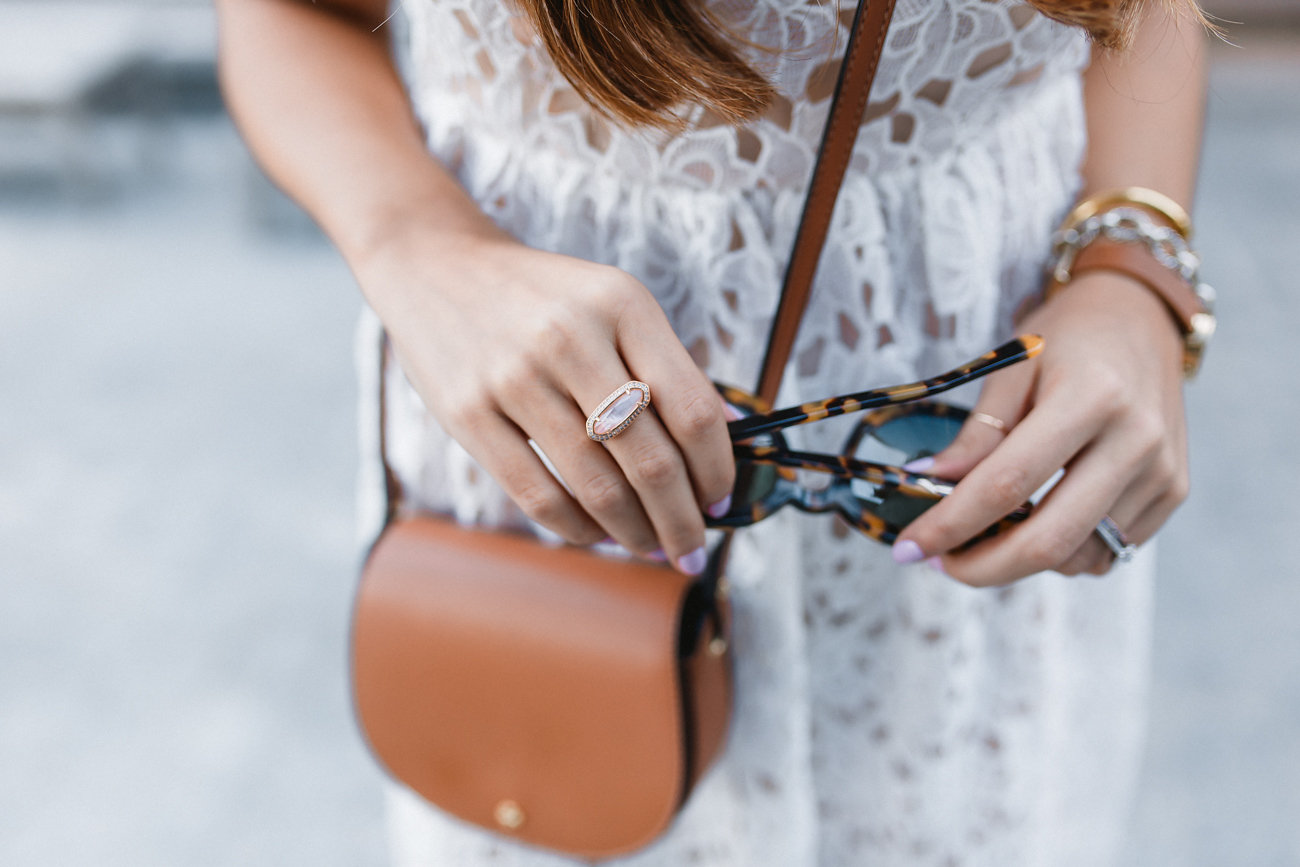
(1105, 402)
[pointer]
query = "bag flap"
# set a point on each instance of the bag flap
(523, 688)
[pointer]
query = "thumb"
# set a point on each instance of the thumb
(1003, 402)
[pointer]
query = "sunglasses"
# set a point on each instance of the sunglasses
(867, 485)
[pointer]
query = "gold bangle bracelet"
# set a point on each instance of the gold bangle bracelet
(1175, 214)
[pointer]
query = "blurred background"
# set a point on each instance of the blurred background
(177, 420)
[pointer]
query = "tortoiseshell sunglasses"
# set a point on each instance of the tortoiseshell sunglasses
(868, 488)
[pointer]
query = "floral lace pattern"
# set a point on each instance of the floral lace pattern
(885, 715)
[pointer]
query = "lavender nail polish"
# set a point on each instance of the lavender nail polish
(936, 563)
(907, 551)
(658, 555)
(919, 465)
(692, 563)
(720, 508)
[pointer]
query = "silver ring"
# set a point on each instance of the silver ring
(618, 410)
(1115, 540)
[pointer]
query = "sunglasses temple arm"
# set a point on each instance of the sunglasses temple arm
(1009, 353)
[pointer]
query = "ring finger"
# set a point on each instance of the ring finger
(590, 472)
(1060, 526)
(1138, 513)
(1002, 404)
(657, 471)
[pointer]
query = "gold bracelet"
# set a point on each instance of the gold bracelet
(1175, 214)
(1128, 241)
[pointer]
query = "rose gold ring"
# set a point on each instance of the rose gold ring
(990, 420)
(618, 411)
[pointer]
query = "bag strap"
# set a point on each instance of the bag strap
(392, 487)
(844, 118)
(852, 88)
(857, 71)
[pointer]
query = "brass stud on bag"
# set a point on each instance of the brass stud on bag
(509, 815)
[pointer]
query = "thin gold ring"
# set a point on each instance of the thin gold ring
(990, 420)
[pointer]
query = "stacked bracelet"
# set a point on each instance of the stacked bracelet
(1108, 233)
(1172, 212)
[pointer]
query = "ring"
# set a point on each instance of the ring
(1115, 540)
(990, 420)
(618, 410)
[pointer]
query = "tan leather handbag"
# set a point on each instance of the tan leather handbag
(564, 699)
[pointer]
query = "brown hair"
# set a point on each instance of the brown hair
(642, 61)
(1112, 23)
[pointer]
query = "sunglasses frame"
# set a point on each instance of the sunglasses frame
(888, 404)
(1019, 349)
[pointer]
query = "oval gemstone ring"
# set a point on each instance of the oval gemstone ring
(618, 410)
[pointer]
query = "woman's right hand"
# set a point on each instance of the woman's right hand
(505, 344)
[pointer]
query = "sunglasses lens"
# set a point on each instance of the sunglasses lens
(919, 435)
(909, 437)
(900, 509)
(754, 484)
(921, 431)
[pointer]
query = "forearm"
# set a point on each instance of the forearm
(1145, 109)
(318, 100)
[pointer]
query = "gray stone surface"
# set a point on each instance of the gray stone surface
(177, 552)
(1222, 777)
(176, 535)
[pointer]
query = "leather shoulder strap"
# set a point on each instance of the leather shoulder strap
(861, 56)
(858, 70)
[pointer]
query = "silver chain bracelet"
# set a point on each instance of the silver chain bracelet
(1130, 226)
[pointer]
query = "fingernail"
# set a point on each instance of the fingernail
(608, 540)
(936, 563)
(907, 551)
(731, 412)
(692, 563)
(919, 465)
(658, 555)
(720, 508)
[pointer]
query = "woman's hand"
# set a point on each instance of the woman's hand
(1104, 401)
(502, 342)
(505, 344)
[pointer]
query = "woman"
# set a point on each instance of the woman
(611, 196)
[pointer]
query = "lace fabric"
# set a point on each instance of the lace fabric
(885, 715)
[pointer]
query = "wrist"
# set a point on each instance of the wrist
(1117, 310)
(1100, 235)
(398, 232)
(407, 255)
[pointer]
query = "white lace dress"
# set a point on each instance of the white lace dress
(884, 715)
